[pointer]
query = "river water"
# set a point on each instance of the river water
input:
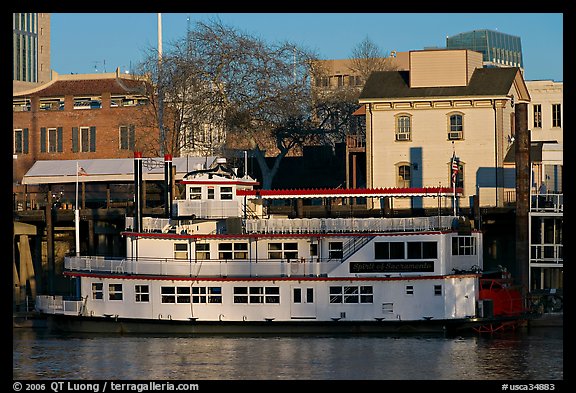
(534, 354)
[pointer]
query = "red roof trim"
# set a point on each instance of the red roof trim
(239, 279)
(220, 182)
(431, 191)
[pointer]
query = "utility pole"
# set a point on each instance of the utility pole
(160, 88)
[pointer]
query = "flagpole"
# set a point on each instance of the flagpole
(77, 216)
(453, 177)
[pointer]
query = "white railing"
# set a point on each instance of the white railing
(57, 305)
(347, 225)
(203, 268)
(207, 208)
(546, 253)
(553, 203)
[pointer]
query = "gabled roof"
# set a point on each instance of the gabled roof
(395, 85)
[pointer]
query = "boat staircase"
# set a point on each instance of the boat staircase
(353, 245)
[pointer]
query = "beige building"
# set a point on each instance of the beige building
(446, 104)
(545, 112)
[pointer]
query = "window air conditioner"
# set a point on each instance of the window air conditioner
(455, 135)
(402, 137)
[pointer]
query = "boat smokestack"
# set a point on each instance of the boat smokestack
(168, 185)
(137, 191)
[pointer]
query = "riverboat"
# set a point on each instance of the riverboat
(220, 263)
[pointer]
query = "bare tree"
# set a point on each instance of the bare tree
(367, 57)
(259, 93)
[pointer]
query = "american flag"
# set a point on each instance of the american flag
(454, 169)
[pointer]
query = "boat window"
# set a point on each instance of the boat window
(387, 308)
(437, 290)
(335, 250)
(225, 193)
(181, 250)
(422, 250)
(97, 290)
(409, 290)
(464, 245)
(202, 250)
(210, 193)
(207, 295)
(282, 250)
(168, 294)
(389, 250)
(182, 294)
(257, 295)
(115, 291)
(195, 193)
(142, 293)
(351, 294)
(233, 251)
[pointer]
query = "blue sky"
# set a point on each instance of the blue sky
(123, 38)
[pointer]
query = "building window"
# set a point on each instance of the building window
(403, 128)
(142, 293)
(115, 291)
(335, 250)
(464, 245)
(210, 193)
(180, 250)
(202, 250)
(404, 176)
(127, 137)
(83, 139)
(21, 141)
(387, 308)
(556, 115)
(207, 295)
(97, 290)
(537, 115)
(51, 140)
(455, 126)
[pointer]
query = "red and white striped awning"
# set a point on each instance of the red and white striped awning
(350, 192)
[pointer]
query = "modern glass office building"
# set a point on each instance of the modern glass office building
(31, 47)
(498, 49)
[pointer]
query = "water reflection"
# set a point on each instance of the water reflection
(534, 355)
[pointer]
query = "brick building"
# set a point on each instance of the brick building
(80, 117)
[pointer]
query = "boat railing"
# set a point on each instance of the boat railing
(348, 225)
(312, 267)
(50, 304)
(551, 203)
